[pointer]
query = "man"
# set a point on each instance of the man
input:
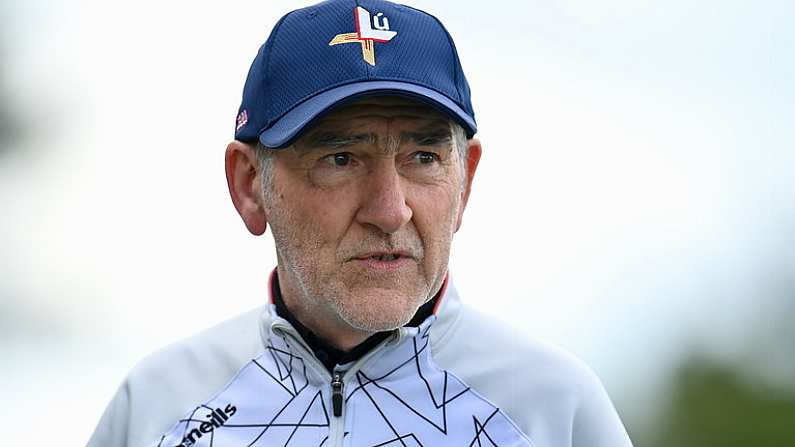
(354, 142)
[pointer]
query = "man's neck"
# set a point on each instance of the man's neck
(333, 350)
(328, 328)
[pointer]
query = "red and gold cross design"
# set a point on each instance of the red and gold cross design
(368, 31)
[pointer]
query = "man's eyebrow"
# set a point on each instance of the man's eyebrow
(336, 140)
(436, 132)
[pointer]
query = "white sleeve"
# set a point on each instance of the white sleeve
(596, 422)
(113, 427)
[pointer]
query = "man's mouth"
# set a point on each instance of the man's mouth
(385, 261)
(383, 257)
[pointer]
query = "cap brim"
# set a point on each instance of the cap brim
(287, 128)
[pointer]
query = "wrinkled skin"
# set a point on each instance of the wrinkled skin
(363, 209)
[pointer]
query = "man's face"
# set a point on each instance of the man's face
(363, 209)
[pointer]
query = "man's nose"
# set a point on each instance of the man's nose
(384, 200)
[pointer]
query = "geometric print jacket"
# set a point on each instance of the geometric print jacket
(393, 396)
(461, 378)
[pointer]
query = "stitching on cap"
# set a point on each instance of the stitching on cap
(452, 47)
(266, 60)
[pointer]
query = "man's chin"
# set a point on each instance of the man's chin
(379, 309)
(374, 286)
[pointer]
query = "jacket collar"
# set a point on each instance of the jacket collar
(280, 336)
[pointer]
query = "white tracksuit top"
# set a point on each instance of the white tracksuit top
(459, 379)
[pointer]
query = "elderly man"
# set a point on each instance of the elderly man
(354, 142)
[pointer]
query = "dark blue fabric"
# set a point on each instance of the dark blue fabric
(297, 75)
(290, 125)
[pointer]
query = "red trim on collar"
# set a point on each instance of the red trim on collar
(441, 294)
(270, 287)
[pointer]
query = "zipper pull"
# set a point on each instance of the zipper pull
(336, 394)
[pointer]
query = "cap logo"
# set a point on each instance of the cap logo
(242, 120)
(369, 30)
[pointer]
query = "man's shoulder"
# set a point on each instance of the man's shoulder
(166, 384)
(481, 346)
(541, 387)
(218, 348)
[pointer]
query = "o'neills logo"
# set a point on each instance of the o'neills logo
(215, 419)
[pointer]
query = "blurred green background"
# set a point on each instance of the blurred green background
(714, 404)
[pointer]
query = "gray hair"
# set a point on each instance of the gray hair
(265, 161)
(265, 155)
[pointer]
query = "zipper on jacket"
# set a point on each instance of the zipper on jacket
(336, 433)
(337, 423)
(336, 394)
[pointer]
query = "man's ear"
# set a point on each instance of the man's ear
(243, 179)
(471, 165)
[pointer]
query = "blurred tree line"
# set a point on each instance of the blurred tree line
(748, 400)
(715, 405)
(10, 128)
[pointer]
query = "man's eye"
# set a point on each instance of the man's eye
(426, 157)
(341, 159)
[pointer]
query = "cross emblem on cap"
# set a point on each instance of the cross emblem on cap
(369, 30)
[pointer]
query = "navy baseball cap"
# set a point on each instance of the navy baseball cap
(337, 51)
